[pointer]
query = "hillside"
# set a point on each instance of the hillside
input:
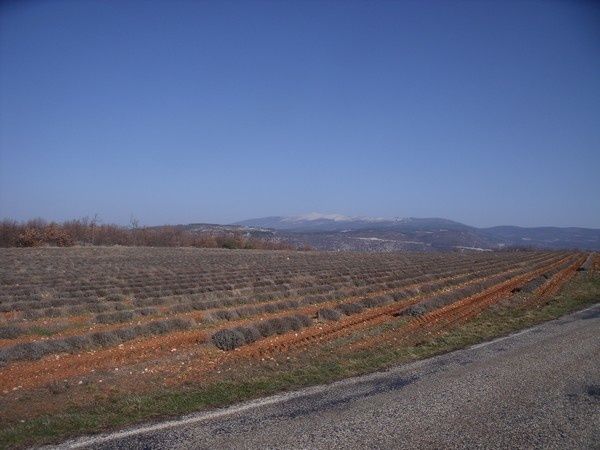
(338, 232)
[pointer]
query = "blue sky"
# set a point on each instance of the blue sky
(176, 112)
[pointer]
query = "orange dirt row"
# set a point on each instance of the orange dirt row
(370, 318)
(459, 311)
(553, 285)
(82, 320)
(30, 374)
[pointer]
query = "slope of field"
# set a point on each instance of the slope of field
(86, 326)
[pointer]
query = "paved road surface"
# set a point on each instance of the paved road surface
(536, 389)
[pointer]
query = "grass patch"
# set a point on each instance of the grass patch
(320, 365)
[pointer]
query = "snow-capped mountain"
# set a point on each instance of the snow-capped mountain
(338, 222)
(312, 221)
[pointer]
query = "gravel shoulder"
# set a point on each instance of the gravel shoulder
(539, 388)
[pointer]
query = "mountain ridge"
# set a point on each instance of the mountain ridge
(339, 232)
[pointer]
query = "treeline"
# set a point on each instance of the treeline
(38, 233)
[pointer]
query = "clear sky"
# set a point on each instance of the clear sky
(188, 111)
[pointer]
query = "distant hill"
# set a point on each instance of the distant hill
(338, 232)
(337, 222)
(545, 237)
(313, 222)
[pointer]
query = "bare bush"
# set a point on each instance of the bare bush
(327, 314)
(415, 310)
(29, 237)
(250, 333)
(229, 339)
(39, 349)
(10, 332)
(116, 317)
(36, 233)
(350, 308)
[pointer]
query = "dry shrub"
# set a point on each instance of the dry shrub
(265, 328)
(399, 295)
(30, 237)
(229, 339)
(149, 301)
(10, 332)
(56, 235)
(250, 333)
(373, 302)
(245, 311)
(115, 298)
(415, 310)
(326, 314)
(350, 308)
(182, 308)
(37, 232)
(39, 349)
(115, 317)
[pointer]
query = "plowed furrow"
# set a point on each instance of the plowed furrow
(553, 285)
(459, 311)
(381, 315)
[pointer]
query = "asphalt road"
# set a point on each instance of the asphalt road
(536, 389)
